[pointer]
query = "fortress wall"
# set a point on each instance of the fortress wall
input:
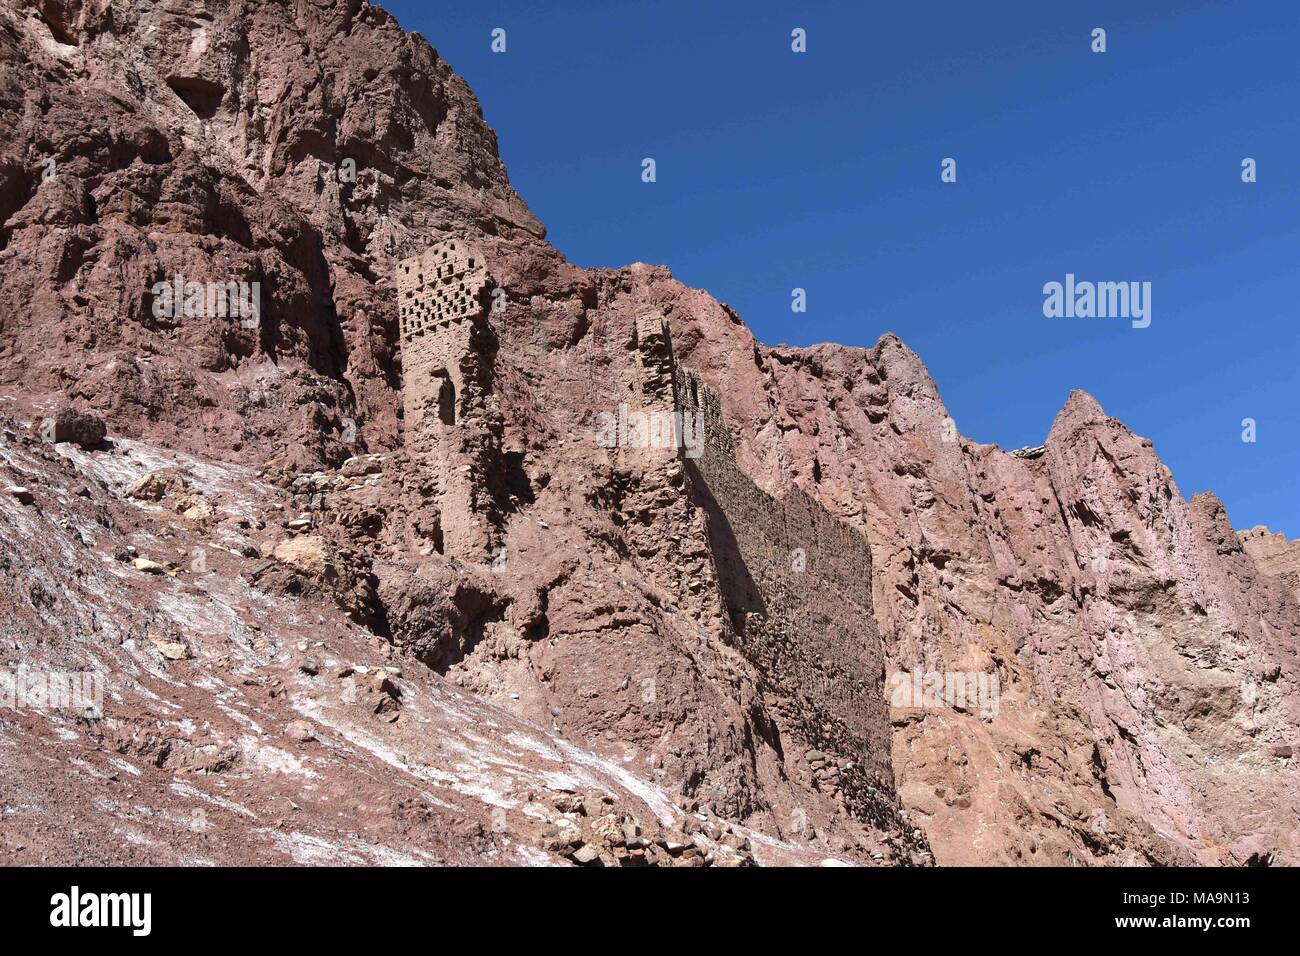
(797, 584)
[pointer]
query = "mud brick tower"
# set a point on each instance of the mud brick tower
(453, 430)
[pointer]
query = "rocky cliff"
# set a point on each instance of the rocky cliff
(629, 672)
(1274, 555)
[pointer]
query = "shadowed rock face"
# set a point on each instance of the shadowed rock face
(1145, 656)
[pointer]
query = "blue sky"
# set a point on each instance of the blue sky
(821, 170)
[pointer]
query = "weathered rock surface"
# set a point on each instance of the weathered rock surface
(238, 725)
(1130, 631)
(424, 637)
(1274, 555)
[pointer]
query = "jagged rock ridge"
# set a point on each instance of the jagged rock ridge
(1147, 665)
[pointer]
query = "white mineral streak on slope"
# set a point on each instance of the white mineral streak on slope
(531, 856)
(229, 710)
(138, 459)
(266, 757)
(652, 795)
(478, 788)
(185, 789)
(487, 772)
(563, 752)
(308, 849)
(125, 767)
(364, 740)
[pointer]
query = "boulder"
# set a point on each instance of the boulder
(156, 485)
(74, 424)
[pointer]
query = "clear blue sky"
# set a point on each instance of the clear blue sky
(821, 170)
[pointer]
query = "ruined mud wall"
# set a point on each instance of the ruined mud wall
(797, 584)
